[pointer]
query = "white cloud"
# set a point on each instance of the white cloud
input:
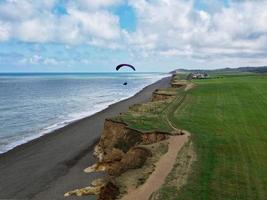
(180, 30)
(35, 30)
(166, 28)
(166, 24)
(99, 24)
(51, 61)
(16, 10)
(37, 59)
(4, 31)
(89, 4)
(36, 21)
(93, 28)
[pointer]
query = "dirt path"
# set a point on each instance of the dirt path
(163, 168)
(189, 86)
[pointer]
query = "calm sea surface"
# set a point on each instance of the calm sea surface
(35, 104)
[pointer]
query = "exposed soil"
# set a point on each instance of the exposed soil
(133, 178)
(180, 172)
(162, 169)
(160, 97)
(189, 86)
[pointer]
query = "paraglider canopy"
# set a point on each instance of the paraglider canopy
(124, 65)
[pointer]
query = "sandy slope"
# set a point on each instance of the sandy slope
(163, 168)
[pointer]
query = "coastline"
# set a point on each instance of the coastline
(46, 167)
(50, 128)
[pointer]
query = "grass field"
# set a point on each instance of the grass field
(228, 121)
(227, 117)
(153, 116)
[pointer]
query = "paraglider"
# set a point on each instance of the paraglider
(124, 65)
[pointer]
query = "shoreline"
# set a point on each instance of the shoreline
(67, 122)
(46, 167)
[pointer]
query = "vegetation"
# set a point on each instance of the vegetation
(227, 118)
(260, 69)
(126, 144)
(136, 177)
(177, 178)
(152, 116)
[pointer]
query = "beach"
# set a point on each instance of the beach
(47, 167)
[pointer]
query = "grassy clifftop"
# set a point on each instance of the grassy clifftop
(132, 143)
(228, 121)
(225, 159)
(153, 115)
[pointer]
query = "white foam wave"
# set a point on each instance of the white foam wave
(76, 116)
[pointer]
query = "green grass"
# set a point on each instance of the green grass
(181, 76)
(178, 176)
(152, 116)
(228, 119)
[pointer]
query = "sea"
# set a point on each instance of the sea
(34, 104)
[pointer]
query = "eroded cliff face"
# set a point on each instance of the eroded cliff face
(177, 84)
(160, 97)
(150, 138)
(109, 192)
(116, 135)
(118, 139)
(119, 150)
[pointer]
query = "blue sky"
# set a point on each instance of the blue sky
(153, 35)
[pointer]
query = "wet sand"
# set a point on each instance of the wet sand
(47, 167)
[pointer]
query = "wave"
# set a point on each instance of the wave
(101, 105)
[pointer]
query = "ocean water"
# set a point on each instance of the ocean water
(32, 105)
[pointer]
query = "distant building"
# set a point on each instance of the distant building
(199, 75)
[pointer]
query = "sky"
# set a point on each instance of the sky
(153, 35)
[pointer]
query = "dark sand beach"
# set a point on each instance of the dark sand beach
(47, 167)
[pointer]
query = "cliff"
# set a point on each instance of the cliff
(122, 148)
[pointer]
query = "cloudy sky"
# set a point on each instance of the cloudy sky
(154, 35)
